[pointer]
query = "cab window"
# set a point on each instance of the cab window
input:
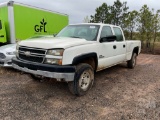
(118, 33)
(106, 31)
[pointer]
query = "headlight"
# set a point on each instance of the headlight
(53, 61)
(55, 52)
(11, 53)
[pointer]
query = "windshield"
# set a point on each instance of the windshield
(88, 32)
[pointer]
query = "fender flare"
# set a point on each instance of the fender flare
(136, 50)
(80, 58)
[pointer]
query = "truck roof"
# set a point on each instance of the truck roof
(101, 24)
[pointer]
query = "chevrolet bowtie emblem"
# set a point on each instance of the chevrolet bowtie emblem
(27, 53)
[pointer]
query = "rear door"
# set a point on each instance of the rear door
(3, 38)
(120, 45)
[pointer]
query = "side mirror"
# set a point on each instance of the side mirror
(108, 39)
(55, 34)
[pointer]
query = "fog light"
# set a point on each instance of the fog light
(53, 61)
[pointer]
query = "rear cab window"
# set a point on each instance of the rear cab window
(118, 34)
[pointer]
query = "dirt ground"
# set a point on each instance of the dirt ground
(118, 93)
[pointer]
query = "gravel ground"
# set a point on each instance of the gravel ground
(118, 94)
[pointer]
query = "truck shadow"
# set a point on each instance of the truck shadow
(50, 88)
(50, 95)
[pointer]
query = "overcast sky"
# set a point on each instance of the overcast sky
(78, 9)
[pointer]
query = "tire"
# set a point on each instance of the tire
(132, 63)
(83, 80)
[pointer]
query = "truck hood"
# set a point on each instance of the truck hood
(57, 42)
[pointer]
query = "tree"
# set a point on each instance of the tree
(119, 12)
(101, 15)
(144, 23)
(86, 19)
(156, 27)
(115, 14)
(145, 27)
(131, 22)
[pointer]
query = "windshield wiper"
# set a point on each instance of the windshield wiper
(75, 37)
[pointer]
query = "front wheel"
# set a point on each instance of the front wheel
(83, 80)
(132, 62)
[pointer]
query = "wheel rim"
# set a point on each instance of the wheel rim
(85, 80)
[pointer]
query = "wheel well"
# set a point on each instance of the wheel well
(91, 62)
(90, 59)
(136, 50)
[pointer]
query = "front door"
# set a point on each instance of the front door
(107, 50)
(3, 38)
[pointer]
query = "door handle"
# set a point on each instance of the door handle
(2, 36)
(124, 46)
(114, 46)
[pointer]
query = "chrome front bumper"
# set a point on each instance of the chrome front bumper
(65, 76)
(66, 73)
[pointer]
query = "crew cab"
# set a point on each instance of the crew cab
(76, 53)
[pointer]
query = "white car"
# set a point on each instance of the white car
(7, 52)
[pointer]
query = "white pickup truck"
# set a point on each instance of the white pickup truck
(76, 53)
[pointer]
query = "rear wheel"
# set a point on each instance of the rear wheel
(132, 63)
(83, 80)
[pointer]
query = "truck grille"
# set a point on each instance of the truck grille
(31, 54)
(2, 56)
